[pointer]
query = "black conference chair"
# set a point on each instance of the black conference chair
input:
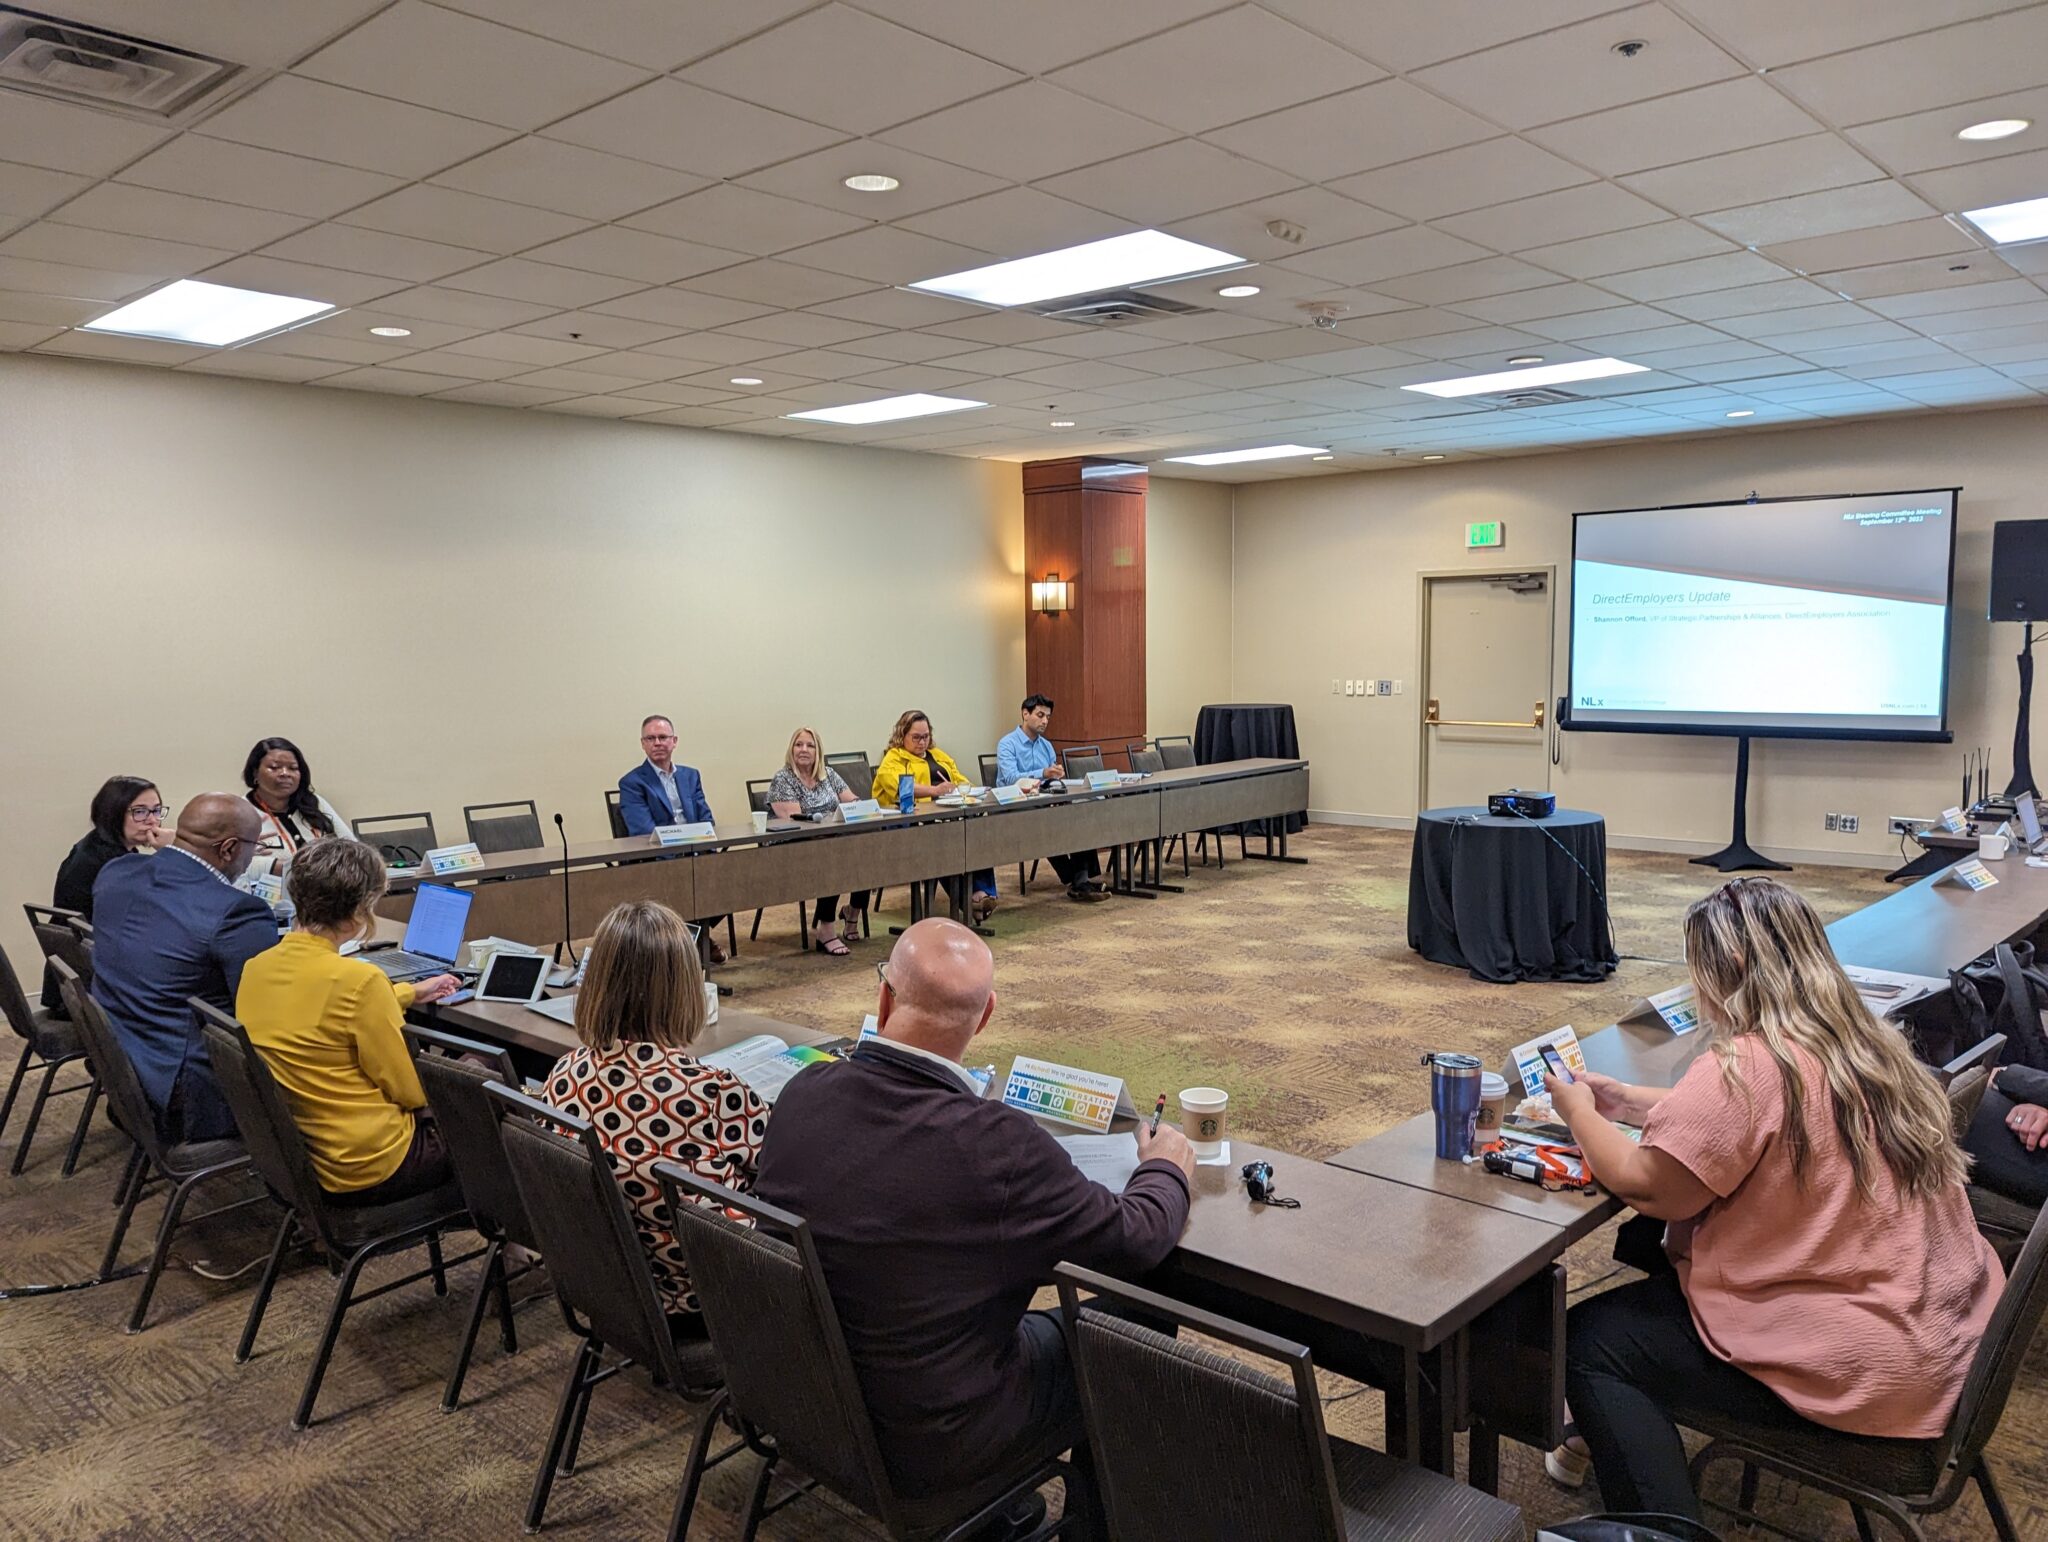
(56, 938)
(503, 826)
(605, 1285)
(49, 1042)
(988, 779)
(1899, 1479)
(183, 1164)
(1177, 753)
(403, 840)
(858, 772)
(757, 800)
(346, 1236)
(1967, 1078)
(790, 1383)
(1178, 1431)
(454, 1072)
(613, 817)
(1081, 760)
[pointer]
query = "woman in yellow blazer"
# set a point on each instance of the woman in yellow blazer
(912, 753)
(328, 1029)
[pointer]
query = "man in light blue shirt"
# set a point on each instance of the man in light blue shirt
(1025, 754)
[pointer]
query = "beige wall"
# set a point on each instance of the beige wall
(1325, 585)
(448, 604)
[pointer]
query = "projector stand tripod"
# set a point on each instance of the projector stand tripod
(1738, 854)
(2023, 726)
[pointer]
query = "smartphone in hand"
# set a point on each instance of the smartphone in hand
(1556, 1063)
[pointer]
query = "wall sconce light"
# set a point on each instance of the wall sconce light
(1049, 596)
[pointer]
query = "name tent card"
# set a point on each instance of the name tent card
(1007, 794)
(1973, 874)
(682, 835)
(864, 808)
(1085, 1099)
(1101, 781)
(454, 859)
(1952, 820)
(1679, 1007)
(1528, 1057)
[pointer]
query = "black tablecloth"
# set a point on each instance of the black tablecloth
(1250, 731)
(1503, 897)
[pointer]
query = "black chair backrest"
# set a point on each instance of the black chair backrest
(613, 815)
(1177, 1428)
(988, 770)
(1147, 762)
(468, 1121)
(757, 794)
(130, 1105)
(1178, 752)
(855, 770)
(14, 1001)
(269, 1133)
(1983, 1056)
(503, 826)
(1082, 760)
(1996, 1364)
(582, 1226)
(1966, 1079)
(777, 1334)
(403, 839)
(58, 934)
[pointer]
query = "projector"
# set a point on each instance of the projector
(1529, 805)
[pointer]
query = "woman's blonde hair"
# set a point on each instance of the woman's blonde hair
(789, 755)
(903, 727)
(642, 982)
(1763, 968)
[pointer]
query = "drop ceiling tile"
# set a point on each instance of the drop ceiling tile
(1536, 304)
(688, 128)
(1648, 246)
(26, 191)
(623, 253)
(323, 122)
(1751, 176)
(1022, 134)
(1044, 35)
(899, 308)
(312, 281)
(772, 282)
(447, 214)
(1182, 360)
(1795, 319)
(1870, 330)
(799, 329)
(1573, 70)
(1851, 360)
(1772, 34)
(1354, 131)
(541, 283)
(656, 33)
(1818, 214)
(1920, 274)
(356, 250)
(1469, 177)
(1297, 344)
(1597, 208)
(443, 59)
(387, 381)
(1618, 318)
(595, 327)
(499, 393)
(1018, 221)
(1982, 184)
(853, 71)
(1695, 277)
(1169, 182)
(821, 179)
(1327, 218)
(903, 347)
(49, 241)
(253, 32)
(1236, 64)
(462, 366)
(457, 309)
(885, 255)
(1467, 281)
(679, 309)
(1751, 300)
(1481, 347)
(143, 211)
(1397, 252)
(721, 379)
(60, 137)
(913, 377)
(1401, 325)
(353, 325)
(1962, 63)
(568, 378)
(1691, 125)
(569, 179)
(531, 352)
(1950, 326)
(695, 348)
(1686, 360)
(1864, 248)
(263, 179)
(1094, 374)
(1412, 33)
(1925, 141)
(302, 343)
(133, 350)
(740, 218)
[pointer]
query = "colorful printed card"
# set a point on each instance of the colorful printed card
(862, 808)
(1679, 1007)
(1952, 820)
(1972, 874)
(1102, 781)
(682, 835)
(1010, 794)
(1086, 1099)
(443, 860)
(1528, 1058)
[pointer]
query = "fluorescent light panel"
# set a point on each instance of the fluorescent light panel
(2008, 222)
(211, 314)
(1264, 452)
(1511, 379)
(888, 409)
(1142, 257)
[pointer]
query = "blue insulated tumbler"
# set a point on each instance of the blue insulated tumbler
(906, 794)
(1454, 1095)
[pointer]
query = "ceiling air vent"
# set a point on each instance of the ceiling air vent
(1533, 396)
(100, 69)
(1112, 308)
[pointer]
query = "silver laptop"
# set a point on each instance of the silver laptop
(433, 935)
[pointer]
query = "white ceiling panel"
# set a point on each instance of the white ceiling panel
(1648, 246)
(309, 280)
(1018, 222)
(886, 255)
(899, 308)
(777, 283)
(449, 215)
(48, 241)
(569, 179)
(1327, 218)
(1695, 277)
(499, 393)
(356, 250)
(1029, 131)
(2009, 179)
(1536, 304)
(742, 219)
(1919, 275)
(1819, 214)
(1044, 34)
(927, 182)
(1924, 141)
(592, 326)
(1467, 281)
(1375, 125)
(1470, 177)
(263, 179)
(1691, 125)
(144, 211)
(688, 128)
(262, 366)
(331, 123)
(1409, 250)
(26, 191)
(1752, 300)
(798, 329)
(678, 309)
(1864, 248)
(1769, 33)
(637, 254)
(1963, 63)
(657, 33)
(541, 283)
(533, 352)
(1406, 34)
(439, 58)
(1751, 176)
(1594, 209)
(1169, 182)
(39, 132)
(71, 282)
(475, 312)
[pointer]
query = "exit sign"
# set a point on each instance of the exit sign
(1490, 532)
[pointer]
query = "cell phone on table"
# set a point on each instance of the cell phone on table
(458, 997)
(1556, 1063)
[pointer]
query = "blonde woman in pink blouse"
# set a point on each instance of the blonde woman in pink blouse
(1826, 1267)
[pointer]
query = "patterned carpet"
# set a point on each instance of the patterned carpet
(1291, 986)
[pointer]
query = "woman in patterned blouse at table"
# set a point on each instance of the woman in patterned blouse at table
(807, 788)
(650, 1100)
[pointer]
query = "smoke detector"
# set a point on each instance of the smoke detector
(104, 70)
(1323, 314)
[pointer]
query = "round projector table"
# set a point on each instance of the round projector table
(1503, 898)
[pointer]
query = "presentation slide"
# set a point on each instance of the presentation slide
(1796, 616)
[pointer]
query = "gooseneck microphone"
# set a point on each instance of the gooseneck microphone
(565, 950)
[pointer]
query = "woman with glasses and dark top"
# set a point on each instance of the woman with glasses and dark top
(280, 784)
(127, 815)
(934, 773)
(807, 788)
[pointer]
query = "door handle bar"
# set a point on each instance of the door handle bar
(1432, 718)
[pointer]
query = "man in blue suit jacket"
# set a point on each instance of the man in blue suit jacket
(658, 791)
(171, 926)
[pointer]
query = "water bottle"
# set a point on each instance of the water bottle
(906, 793)
(1454, 1095)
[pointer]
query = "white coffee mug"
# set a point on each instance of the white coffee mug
(1991, 847)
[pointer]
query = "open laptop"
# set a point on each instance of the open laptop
(433, 935)
(2030, 822)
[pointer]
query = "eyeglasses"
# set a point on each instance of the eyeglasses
(882, 974)
(153, 812)
(657, 738)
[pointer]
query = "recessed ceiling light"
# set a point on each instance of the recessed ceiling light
(1432, 457)
(211, 314)
(746, 380)
(391, 331)
(889, 408)
(2007, 222)
(1322, 457)
(1997, 128)
(1238, 291)
(873, 182)
(1061, 423)
(1231, 457)
(1527, 358)
(1511, 379)
(1746, 412)
(1142, 257)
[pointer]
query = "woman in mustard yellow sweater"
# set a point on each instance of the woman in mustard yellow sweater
(933, 774)
(328, 1029)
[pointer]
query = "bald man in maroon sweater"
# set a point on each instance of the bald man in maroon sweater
(938, 1213)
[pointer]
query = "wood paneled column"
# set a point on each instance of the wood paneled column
(1084, 519)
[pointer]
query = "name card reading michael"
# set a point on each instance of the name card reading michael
(1085, 1099)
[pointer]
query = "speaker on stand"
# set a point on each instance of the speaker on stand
(2019, 592)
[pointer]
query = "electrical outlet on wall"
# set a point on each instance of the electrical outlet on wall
(1386, 687)
(1336, 687)
(1848, 824)
(1833, 821)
